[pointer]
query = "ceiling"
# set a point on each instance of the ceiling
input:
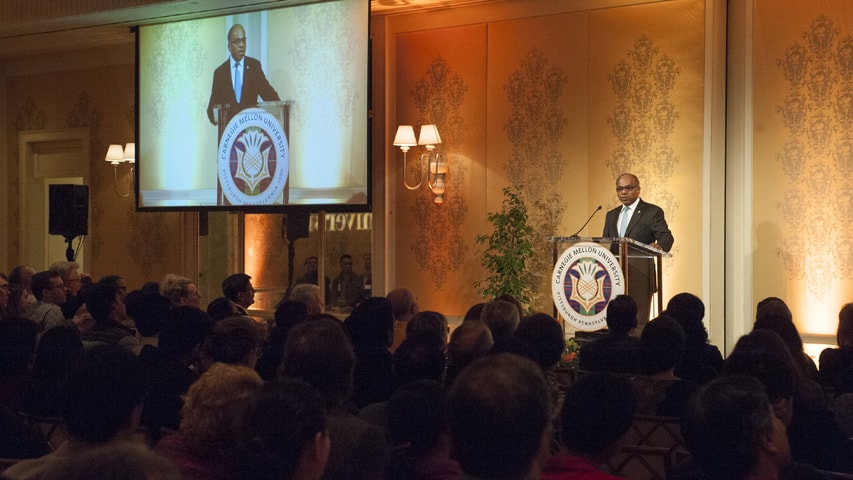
(33, 27)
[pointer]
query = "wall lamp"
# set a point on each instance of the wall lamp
(116, 155)
(431, 161)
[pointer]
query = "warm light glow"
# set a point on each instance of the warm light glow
(429, 135)
(115, 154)
(405, 137)
(129, 153)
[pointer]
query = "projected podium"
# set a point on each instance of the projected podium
(250, 174)
(585, 277)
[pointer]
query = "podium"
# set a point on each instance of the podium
(641, 259)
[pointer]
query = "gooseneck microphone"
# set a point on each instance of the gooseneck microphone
(585, 223)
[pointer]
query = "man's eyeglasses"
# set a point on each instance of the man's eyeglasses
(626, 188)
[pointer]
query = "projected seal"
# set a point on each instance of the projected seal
(585, 278)
(253, 159)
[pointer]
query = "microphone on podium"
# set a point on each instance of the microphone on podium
(585, 223)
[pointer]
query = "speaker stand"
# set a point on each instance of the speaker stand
(69, 252)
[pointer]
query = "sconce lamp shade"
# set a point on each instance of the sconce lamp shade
(429, 135)
(130, 153)
(405, 136)
(115, 154)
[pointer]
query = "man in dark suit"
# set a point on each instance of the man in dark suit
(239, 80)
(644, 223)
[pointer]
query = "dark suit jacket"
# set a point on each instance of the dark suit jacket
(647, 225)
(254, 84)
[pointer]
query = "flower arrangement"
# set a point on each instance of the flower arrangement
(570, 358)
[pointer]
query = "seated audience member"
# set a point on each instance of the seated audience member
(657, 390)
(619, 351)
(702, 361)
(174, 365)
(405, 307)
(468, 342)
(17, 345)
(285, 436)
(730, 429)
(474, 312)
(836, 364)
(309, 294)
(116, 282)
(288, 314)
(58, 352)
(148, 312)
(21, 301)
(180, 290)
(235, 341)
(418, 434)
(104, 303)
(220, 308)
(206, 444)
(115, 462)
(816, 438)
(150, 287)
(49, 292)
(371, 329)
(597, 411)
(499, 411)
(319, 353)
(238, 288)
(418, 358)
(70, 273)
(22, 275)
(502, 318)
(104, 396)
(773, 314)
(429, 325)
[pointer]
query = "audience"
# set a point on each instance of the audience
(371, 330)
(468, 342)
(105, 304)
(405, 306)
(288, 314)
(430, 326)
(148, 312)
(308, 294)
(234, 340)
(70, 274)
(702, 361)
(658, 390)
(239, 290)
(59, 351)
(221, 307)
(180, 290)
(619, 351)
(114, 462)
(836, 364)
(773, 314)
(502, 318)
(49, 292)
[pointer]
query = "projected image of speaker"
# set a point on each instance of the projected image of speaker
(69, 210)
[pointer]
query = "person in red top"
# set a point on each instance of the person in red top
(597, 411)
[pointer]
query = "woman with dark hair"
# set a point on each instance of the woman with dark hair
(371, 330)
(702, 361)
(658, 390)
(773, 314)
(836, 364)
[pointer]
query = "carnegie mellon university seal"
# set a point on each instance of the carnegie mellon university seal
(585, 278)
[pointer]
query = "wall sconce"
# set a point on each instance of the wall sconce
(436, 167)
(116, 155)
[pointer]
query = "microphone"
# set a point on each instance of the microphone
(585, 223)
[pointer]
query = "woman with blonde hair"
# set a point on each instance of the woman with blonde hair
(206, 444)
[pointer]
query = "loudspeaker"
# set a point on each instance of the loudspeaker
(69, 210)
(296, 224)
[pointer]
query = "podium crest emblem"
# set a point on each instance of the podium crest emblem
(585, 278)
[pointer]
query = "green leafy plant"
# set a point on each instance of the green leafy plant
(507, 250)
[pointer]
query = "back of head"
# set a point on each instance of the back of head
(688, 310)
(102, 392)
(64, 268)
(662, 345)
(289, 313)
(283, 418)
(431, 326)
(723, 424)
(307, 294)
(234, 284)
(185, 328)
(214, 406)
(319, 353)
(502, 318)
(17, 346)
(99, 299)
(544, 335)
(474, 312)
(371, 323)
(468, 342)
(622, 314)
(844, 335)
(22, 275)
(498, 409)
(598, 409)
(148, 311)
(402, 302)
(175, 288)
(773, 314)
(762, 354)
(418, 358)
(233, 340)
(221, 307)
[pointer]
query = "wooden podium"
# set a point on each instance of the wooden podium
(627, 250)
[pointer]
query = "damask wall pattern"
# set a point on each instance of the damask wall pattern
(817, 156)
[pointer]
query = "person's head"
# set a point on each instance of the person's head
(20, 301)
(123, 461)
(511, 299)
(184, 331)
(627, 188)
(544, 335)
(844, 334)
(48, 287)
(502, 318)
(288, 314)
(22, 275)
(662, 345)
(319, 352)
(221, 307)
(102, 300)
(403, 302)
(371, 323)
(17, 346)
(499, 410)
(237, 42)
(773, 314)
(416, 416)
(310, 295)
(598, 409)
(59, 350)
(418, 358)
(238, 288)
(474, 312)
(4, 293)
(688, 310)
(235, 340)
(214, 406)
(148, 311)
(70, 273)
(468, 342)
(285, 434)
(346, 263)
(116, 282)
(429, 325)
(622, 314)
(180, 290)
(104, 394)
(311, 264)
(730, 429)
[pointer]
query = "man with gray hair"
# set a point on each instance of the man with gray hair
(309, 294)
(502, 318)
(405, 307)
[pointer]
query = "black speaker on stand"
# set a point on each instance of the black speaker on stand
(69, 213)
